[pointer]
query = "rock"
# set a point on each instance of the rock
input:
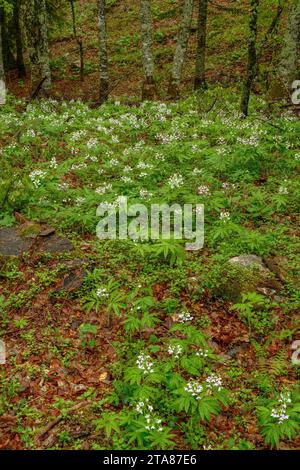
(47, 232)
(16, 241)
(55, 244)
(73, 281)
(76, 263)
(279, 266)
(247, 261)
(267, 291)
(12, 243)
(29, 229)
(247, 273)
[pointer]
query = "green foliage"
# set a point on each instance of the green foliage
(279, 418)
(256, 311)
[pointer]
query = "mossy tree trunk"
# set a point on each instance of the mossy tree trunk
(149, 89)
(7, 41)
(78, 40)
(288, 70)
(18, 38)
(103, 55)
(252, 57)
(201, 45)
(37, 33)
(181, 48)
(2, 73)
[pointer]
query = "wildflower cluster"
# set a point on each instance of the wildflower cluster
(184, 317)
(214, 381)
(175, 181)
(175, 350)
(279, 412)
(102, 292)
(144, 363)
(203, 190)
(194, 388)
(202, 353)
(36, 177)
(225, 216)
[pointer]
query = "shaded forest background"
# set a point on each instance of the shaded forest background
(226, 54)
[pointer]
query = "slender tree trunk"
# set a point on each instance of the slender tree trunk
(181, 48)
(78, 40)
(103, 56)
(251, 67)
(19, 41)
(201, 47)
(290, 51)
(37, 32)
(149, 89)
(2, 74)
(8, 57)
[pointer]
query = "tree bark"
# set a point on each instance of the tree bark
(2, 73)
(8, 57)
(181, 48)
(201, 46)
(149, 89)
(78, 40)
(37, 32)
(291, 42)
(252, 58)
(19, 40)
(103, 55)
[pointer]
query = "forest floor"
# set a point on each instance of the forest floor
(82, 319)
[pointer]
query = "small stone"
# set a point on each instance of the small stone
(47, 232)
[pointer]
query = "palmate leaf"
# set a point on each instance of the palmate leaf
(162, 439)
(190, 365)
(271, 435)
(133, 375)
(183, 403)
(131, 324)
(137, 433)
(109, 422)
(206, 407)
(149, 320)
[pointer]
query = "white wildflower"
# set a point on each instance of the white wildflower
(144, 363)
(175, 181)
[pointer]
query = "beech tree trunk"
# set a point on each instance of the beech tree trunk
(252, 57)
(2, 74)
(181, 48)
(290, 51)
(103, 55)
(201, 46)
(149, 89)
(37, 32)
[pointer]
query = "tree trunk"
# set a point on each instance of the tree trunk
(103, 56)
(6, 33)
(2, 74)
(181, 48)
(289, 54)
(19, 41)
(201, 47)
(149, 89)
(78, 40)
(251, 67)
(37, 32)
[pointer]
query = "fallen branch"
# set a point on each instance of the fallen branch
(57, 420)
